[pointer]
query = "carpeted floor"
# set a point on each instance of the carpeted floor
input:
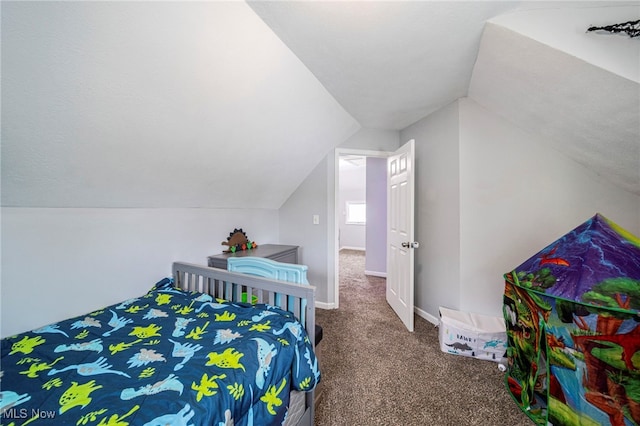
(374, 372)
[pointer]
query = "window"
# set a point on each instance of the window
(356, 213)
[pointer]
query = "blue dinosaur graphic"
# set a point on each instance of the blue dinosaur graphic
(212, 305)
(171, 290)
(204, 298)
(51, 328)
(225, 336)
(86, 322)
(126, 303)
(183, 350)
(294, 328)
(262, 315)
(155, 313)
(181, 418)
(94, 345)
(314, 365)
(228, 420)
(171, 383)
(266, 353)
(116, 323)
(180, 325)
(144, 357)
(494, 344)
(10, 399)
(250, 413)
(99, 366)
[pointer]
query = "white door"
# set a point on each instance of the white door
(400, 233)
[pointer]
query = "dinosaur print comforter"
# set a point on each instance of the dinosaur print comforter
(169, 357)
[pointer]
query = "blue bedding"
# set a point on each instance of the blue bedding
(169, 357)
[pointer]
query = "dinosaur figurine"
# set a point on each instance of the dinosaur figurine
(237, 241)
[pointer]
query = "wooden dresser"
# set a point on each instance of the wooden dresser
(279, 253)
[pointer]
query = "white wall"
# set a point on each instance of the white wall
(437, 215)
(518, 194)
(490, 195)
(116, 112)
(376, 233)
(296, 226)
(58, 263)
(351, 188)
(316, 195)
(121, 104)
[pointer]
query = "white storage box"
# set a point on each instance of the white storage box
(472, 335)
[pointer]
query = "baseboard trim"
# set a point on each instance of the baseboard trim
(376, 274)
(424, 314)
(352, 248)
(323, 305)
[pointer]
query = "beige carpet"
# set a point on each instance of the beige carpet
(374, 372)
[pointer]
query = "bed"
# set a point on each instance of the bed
(188, 352)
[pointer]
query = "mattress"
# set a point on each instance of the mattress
(167, 357)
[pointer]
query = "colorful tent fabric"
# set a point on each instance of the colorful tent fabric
(573, 332)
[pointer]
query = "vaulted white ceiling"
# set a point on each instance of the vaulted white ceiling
(224, 104)
(388, 63)
(391, 63)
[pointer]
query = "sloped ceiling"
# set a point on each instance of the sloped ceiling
(388, 63)
(392, 63)
(228, 104)
(156, 104)
(584, 111)
(581, 91)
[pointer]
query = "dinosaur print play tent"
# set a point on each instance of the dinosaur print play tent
(573, 328)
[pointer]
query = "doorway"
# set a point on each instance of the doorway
(369, 236)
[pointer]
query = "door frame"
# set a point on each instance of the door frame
(335, 250)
